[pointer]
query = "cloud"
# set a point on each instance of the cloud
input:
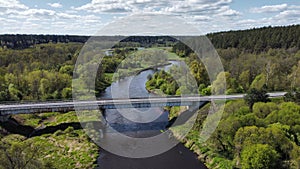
(177, 7)
(106, 6)
(16, 17)
(206, 15)
(12, 4)
(149, 24)
(55, 5)
(36, 13)
(291, 16)
(269, 8)
(286, 15)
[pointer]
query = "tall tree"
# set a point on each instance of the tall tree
(254, 95)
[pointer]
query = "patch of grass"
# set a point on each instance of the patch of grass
(219, 162)
(67, 149)
(48, 119)
(64, 118)
(28, 119)
(173, 56)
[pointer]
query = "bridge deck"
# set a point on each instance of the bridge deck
(115, 103)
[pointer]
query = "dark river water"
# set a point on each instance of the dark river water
(142, 123)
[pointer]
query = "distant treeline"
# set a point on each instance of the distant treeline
(24, 41)
(19, 41)
(252, 40)
(258, 39)
(150, 41)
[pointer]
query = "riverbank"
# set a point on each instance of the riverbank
(123, 73)
(58, 139)
(153, 67)
(134, 125)
(190, 141)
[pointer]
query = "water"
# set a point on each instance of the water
(142, 123)
(134, 122)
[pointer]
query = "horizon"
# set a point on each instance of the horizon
(253, 28)
(86, 17)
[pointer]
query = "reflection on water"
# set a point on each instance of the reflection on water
(140, 122)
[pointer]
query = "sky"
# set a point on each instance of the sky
(86, 17)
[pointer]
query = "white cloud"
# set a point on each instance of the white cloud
(67, 16)
(286, 15)
(149, 24)
(269, 8)
(291, 16)
(199, 18)
(114, 6)
(12, 4)
(177, 7)
(207, 15)
(37, 13)
(16, 17)
(55, 5)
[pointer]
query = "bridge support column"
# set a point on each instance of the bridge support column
(103, 112)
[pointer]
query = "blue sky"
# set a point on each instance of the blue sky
(86, 17)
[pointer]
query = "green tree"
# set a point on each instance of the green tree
(259, 156)
(66, 93)
(288, 113)
(254, 95)
(295, 77)
(244, 79)
(262, 110)
(19, 155)
(259, 82)
(67, 69)
(292, 96)
(220, 85)
(198, 71)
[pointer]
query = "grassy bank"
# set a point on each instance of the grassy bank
(66, 146)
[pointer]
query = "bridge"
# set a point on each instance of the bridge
(116, 103)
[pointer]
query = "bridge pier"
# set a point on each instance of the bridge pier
(103, 112)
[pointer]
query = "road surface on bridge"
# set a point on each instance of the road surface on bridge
(116, 103)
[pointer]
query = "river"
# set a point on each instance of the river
(142, 123)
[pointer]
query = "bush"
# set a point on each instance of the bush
(262, 110)
(259, 156)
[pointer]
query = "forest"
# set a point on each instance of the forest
(252, 40)
(258, 39)
(276, 68)
(256, 132)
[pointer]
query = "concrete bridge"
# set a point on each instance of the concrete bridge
(116, 103)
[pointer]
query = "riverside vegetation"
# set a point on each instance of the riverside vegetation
(251, 134)
(256, 132)
(43, 72)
